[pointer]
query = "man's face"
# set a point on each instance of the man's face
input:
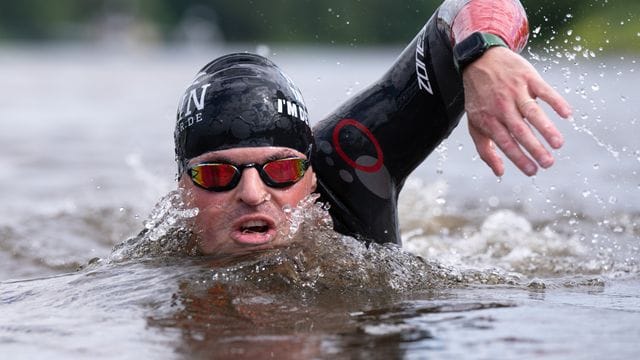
(249, 216)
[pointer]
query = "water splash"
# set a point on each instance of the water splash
(308, 210)
(165, 232)
(585, 130)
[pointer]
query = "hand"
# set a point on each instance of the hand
(500, 90)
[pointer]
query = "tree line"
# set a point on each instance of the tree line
(613, 24)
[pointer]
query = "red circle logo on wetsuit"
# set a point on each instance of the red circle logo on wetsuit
(336, 143)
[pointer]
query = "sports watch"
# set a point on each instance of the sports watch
(471, 48)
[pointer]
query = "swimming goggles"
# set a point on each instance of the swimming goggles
(221, 176)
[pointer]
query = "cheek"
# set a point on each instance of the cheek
(208, 218)
(297, 192)
(194, 196)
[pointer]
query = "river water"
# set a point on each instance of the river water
(518, 267)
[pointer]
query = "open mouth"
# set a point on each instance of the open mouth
(255, 226)
(254, 231)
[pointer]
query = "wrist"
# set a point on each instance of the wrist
(473, 47)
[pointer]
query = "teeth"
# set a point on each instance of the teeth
(254, 223)
(254, 226)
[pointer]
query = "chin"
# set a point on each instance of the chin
(239, 243)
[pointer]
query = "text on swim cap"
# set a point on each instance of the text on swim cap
(191, 101)
(292, 109)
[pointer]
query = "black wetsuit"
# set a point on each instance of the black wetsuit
(367, 148)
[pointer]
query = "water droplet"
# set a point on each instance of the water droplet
(569, 16)
(596, 166)
(263, 50)
(569, 32)
(618, 229)
(330, 10)
(586, 193)
(121, 209)
(613, 200)
(537, 31)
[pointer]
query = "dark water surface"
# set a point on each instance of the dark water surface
(509, 268)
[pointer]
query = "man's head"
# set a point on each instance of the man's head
(242, 142)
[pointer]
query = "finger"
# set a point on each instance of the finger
(509, 146)
(541, 122)
(486, 150)
(525, 136)
(540, 88)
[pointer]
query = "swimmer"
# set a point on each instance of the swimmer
(245, 149)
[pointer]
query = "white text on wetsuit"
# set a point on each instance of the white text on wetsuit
(192, 101)
(421, 68)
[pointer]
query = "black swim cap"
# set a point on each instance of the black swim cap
(240, 100)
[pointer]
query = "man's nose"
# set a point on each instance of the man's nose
(251, 189)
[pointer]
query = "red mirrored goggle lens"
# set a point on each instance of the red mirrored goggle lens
(214, 176)
(285, 171)
(223, 176)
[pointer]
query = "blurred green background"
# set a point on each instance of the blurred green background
(612, 25)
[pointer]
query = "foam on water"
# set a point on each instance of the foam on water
(505, 241)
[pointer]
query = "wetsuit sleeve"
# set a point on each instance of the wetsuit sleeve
(505, 18)
(366, 149)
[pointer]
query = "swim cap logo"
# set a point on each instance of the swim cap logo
(292, 109)
(191, 101)
(421, 68)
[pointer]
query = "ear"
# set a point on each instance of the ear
(314, 180)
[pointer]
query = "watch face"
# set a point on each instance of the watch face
(470, 48)
(473, 47)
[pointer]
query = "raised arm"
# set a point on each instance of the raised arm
(366, 149)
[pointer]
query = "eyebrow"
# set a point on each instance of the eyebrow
(281, 154)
